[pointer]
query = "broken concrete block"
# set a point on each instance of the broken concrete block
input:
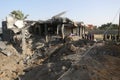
(40, 45)
(72, 47)
(83, 49)
(6, 52)
(63, 67)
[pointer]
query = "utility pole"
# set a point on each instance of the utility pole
(119, 28)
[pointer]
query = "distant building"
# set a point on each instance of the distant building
(90, 26)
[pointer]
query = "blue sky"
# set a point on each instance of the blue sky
(89, 11)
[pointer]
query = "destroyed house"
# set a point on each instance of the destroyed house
(20, 32)
(60, 27)
(45, 28)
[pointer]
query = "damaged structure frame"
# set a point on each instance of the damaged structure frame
(19, 31)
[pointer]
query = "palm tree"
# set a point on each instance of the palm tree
(18, 15)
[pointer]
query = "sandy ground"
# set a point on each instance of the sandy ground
(10, 66)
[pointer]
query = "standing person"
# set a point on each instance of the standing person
(111, 37)
(108, 36)
(104, 37)
(83, 37)
(92, 35)
(117, 37)
(89, 36)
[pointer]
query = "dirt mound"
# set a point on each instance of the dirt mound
(10, 66)
(91, 63)
(80, 60)
(91, 69)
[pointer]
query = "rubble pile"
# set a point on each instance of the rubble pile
(79, 60)
(10, 65)
(91, 62)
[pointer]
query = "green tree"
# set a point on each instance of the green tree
(108, 25)
(18, 15)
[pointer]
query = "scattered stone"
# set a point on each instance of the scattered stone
(6, 52)
(72, 47)
(2, 74)
(83, 49)
(63, 68)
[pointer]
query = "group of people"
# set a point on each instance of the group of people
(111, 37)
(88, 36)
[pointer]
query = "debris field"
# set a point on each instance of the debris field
(80, 60)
